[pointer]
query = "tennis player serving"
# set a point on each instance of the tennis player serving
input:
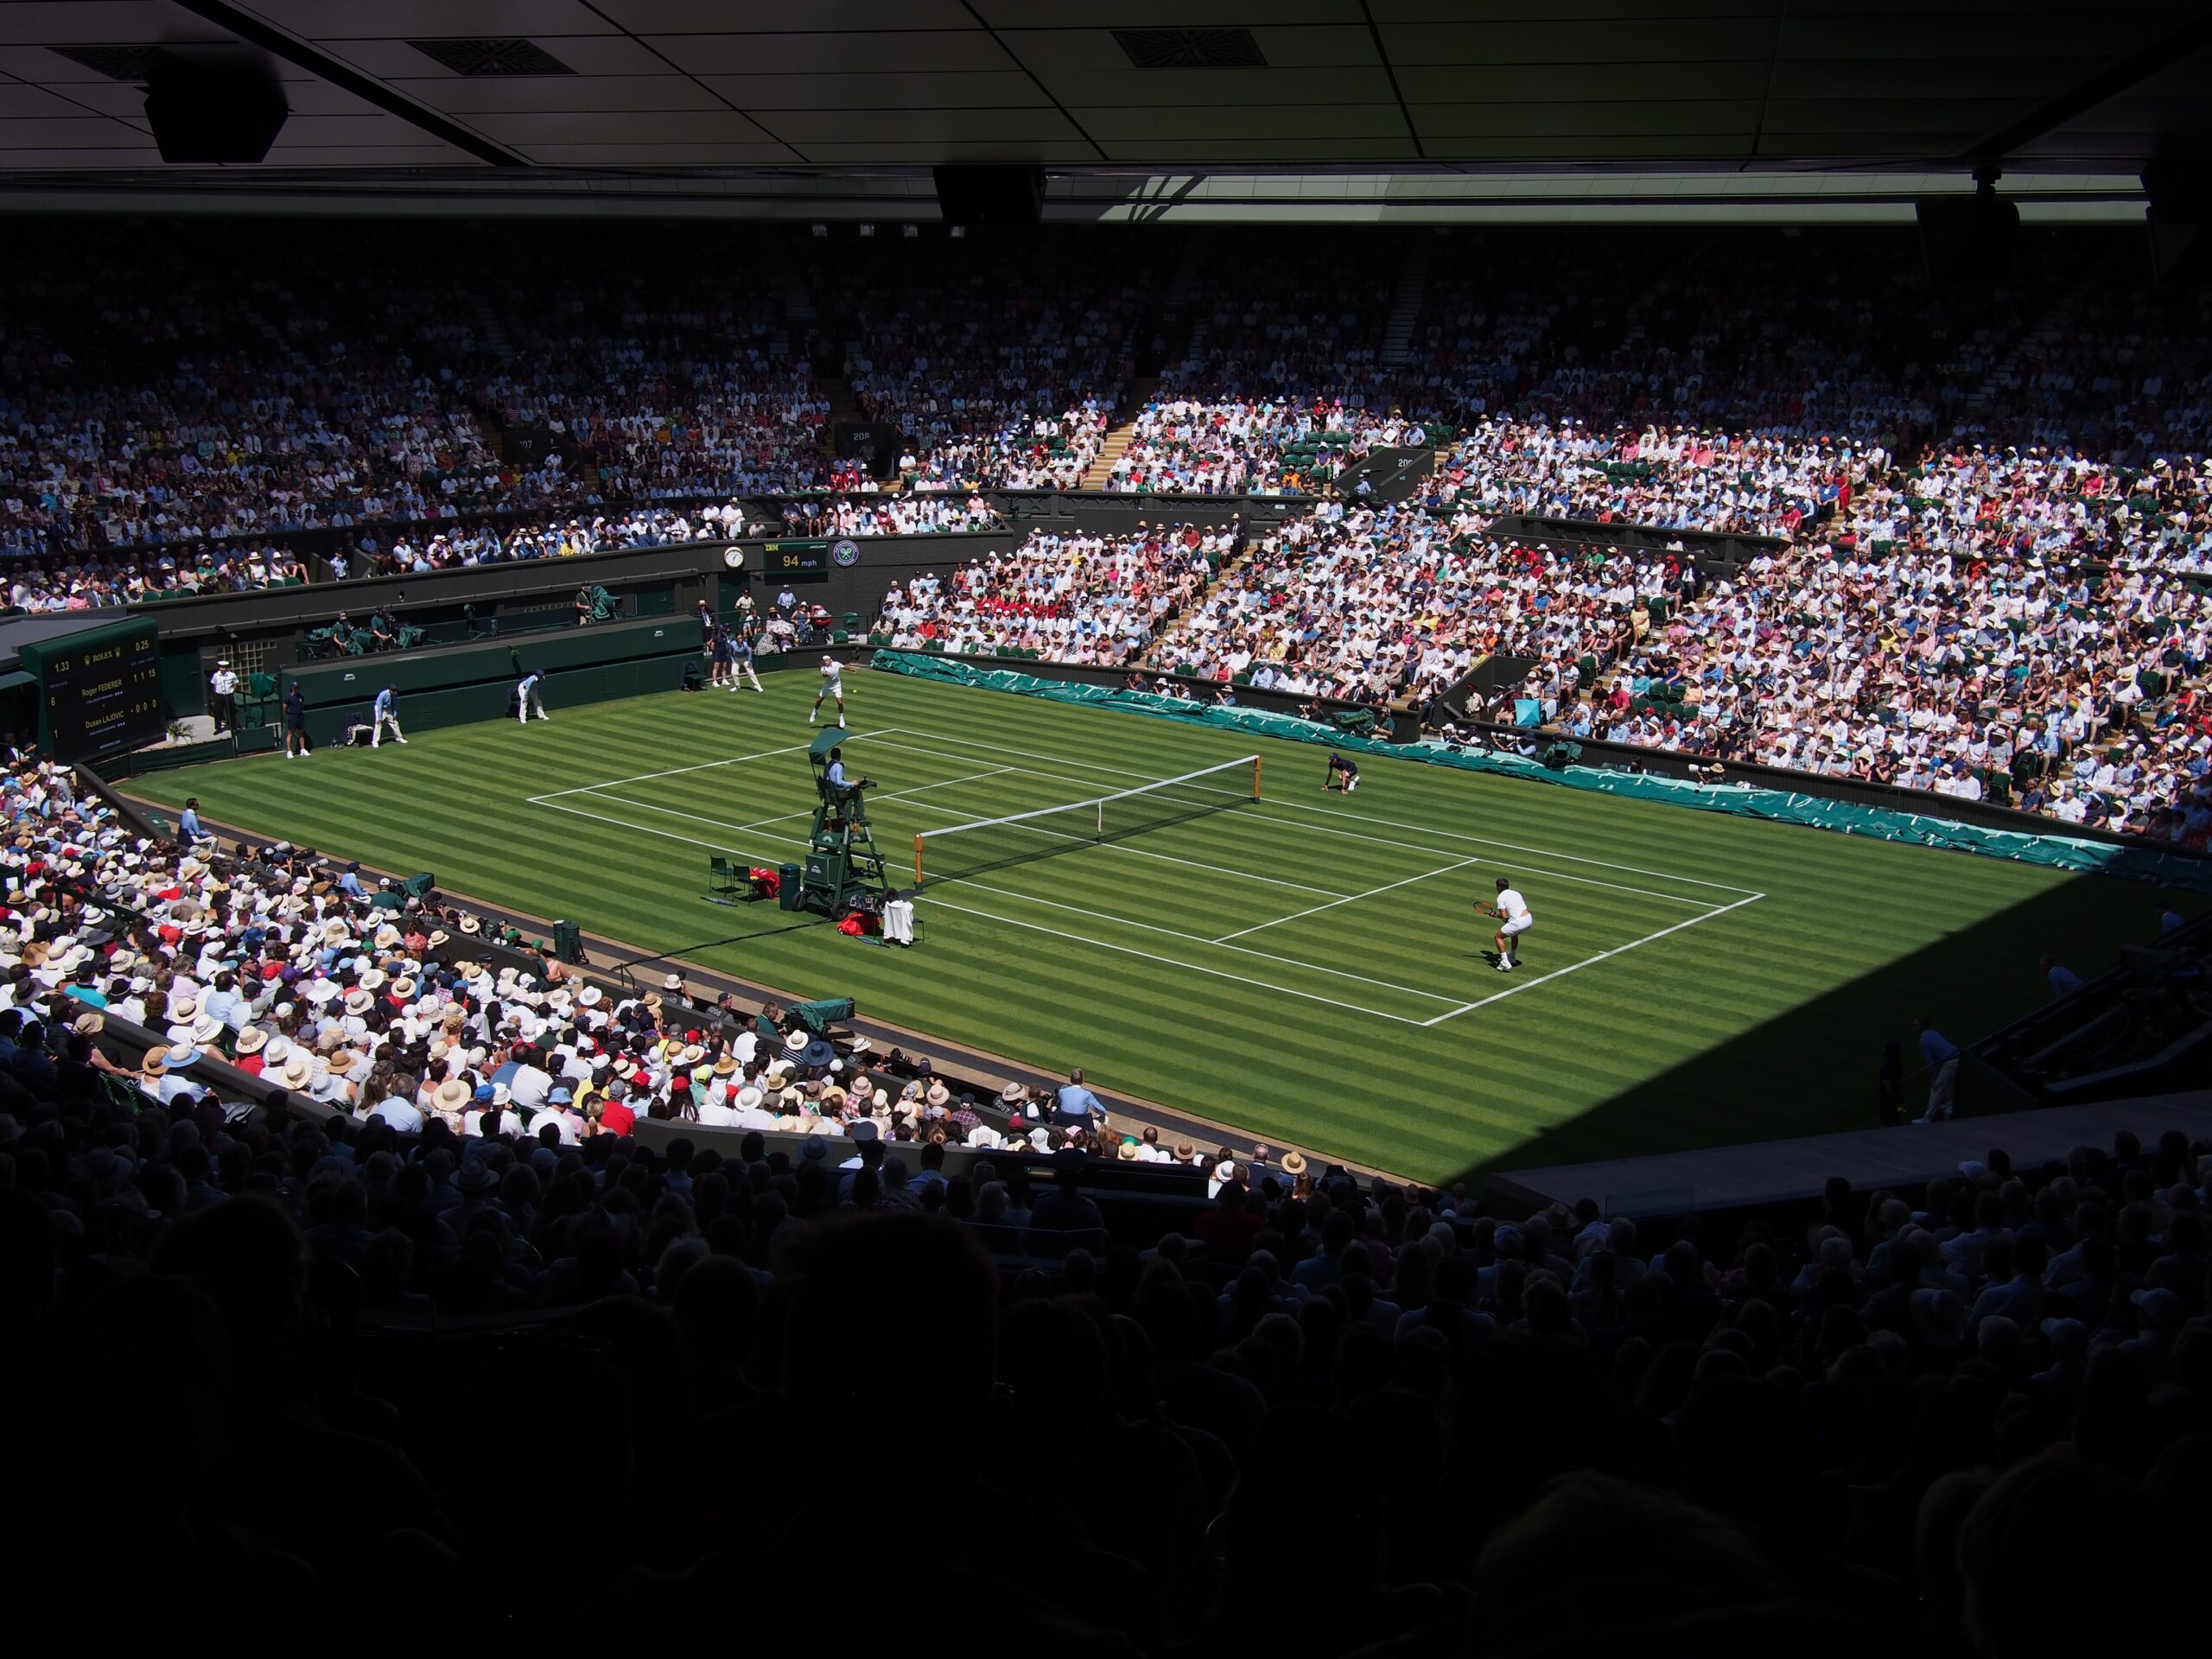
(1511, 914)
(833, 685)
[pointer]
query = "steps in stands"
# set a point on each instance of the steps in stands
(1405, 304)
(1135, 398)
(1149, 658)
(489, 334)
(798, 301)
(2047, 331)
(1100, 473)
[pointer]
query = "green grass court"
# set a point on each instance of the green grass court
(1305, 966)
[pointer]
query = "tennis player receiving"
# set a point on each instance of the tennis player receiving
(1511, 910)
(833, 685)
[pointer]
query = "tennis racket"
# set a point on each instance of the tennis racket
(1483, 907)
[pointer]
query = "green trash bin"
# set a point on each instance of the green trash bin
(787, 886)
(568, 942)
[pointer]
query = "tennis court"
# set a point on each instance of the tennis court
(1287, 896)
(1305, 966)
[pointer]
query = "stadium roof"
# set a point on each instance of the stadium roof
(855, 98)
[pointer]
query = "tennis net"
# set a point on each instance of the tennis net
(966, 850)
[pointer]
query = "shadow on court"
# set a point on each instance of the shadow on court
(1970, 984)
(797, 923)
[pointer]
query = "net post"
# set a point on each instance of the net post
(918, 861)
(1255, 777)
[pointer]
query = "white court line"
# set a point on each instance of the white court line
(1383, 840)
(1200, 938)
(1519, 864)
(1177, 961)
(1348, 899)
(704, 765)
(604, 791)
(1134, 852)
(557, 804)
(665, 834)
(1334, 812)
(1079, 938)
(1603, 956)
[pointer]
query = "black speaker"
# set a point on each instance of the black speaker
(990, 196)
(2180, 192)
(213, 109)
(1968, 236)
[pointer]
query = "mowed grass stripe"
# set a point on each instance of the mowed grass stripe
(1879, 923)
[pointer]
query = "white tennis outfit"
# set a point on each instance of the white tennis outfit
(1515, 908)
(833, 685)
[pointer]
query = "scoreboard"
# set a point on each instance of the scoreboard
(807, 559)
(100, 691)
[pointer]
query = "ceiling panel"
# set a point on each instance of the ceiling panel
(45, 159)
(704, 84)
(1582, 83)
(2145, 114)
(1212, 121)
(1934, 78)
(894, 51)
(1711, 116)
(17, 100)
(333, 19)
(414, 155)
(1965, 37)
(588, 54)
(72, 22)
(1492, 11)
(982, 89)
(915, 126)
(1681, 40)
(1060, 50)
(904, 155)
(458, 95)
(1004, 15)
(1679, 148)
(1130, 88)
(78, 131)
(1840, 145)
(637, 155)
(1884, 117)
(774, 17)
(1273, 150)
(615, 126)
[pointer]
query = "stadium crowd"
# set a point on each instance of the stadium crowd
(1061, 595)
(1958, 661)
(1879, 1417)
(1989, 497)
(904, 515)
(997, 370)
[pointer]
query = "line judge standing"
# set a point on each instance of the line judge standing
(223, 696)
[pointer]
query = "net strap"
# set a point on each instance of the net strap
(1099, 802)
